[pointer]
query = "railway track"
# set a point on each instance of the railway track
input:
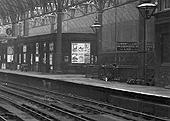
(85, 108)
(39, 110)
(6, 115)
(9, 112)
(37, 115)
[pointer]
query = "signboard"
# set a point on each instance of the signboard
(8, 31)
(80, 52)
(127, 46)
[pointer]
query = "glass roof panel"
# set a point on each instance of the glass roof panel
(4, 7)
(24, 3)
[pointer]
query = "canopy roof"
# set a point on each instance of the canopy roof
(12, 11)
(11, 7)
(17, 10)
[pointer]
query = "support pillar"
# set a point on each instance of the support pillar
(58, 42)
(14, 34)
(14, 29)
(20, 29)
(26, 28)
(141, 50)
(99, 36)
(142, 58)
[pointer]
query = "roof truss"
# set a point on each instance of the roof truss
(12, 11)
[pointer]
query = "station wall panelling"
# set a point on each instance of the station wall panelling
(37, 52)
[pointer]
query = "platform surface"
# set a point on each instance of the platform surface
(81, 79)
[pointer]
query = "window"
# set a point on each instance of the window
(167, 4)
(44, 58)
(16, 58)
(164, 4)
(36, 58)
(37, 48)
(24, 57)
(24, 48)
(19, 58)
(31, 59)
(51, 46)
(165, 49)
(44, 48)
(51, 58)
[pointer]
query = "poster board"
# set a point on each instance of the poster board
(80, 53)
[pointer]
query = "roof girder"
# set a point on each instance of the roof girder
(99, 4)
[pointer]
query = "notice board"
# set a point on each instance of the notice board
(127, 46)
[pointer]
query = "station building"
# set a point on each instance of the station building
(119, 41)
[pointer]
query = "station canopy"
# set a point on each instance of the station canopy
(13, 11)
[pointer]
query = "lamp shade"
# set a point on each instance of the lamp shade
(147, 9)
(96, 27)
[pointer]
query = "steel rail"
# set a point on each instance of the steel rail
(2, 118)
(6, 115)
(45, 106)
(107, 106)
(83, 107)
(19, 106)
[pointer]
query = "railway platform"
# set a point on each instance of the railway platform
(147, 99)
(81, 79)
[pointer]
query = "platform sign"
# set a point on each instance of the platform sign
(127, 46)
(8, 31)
(80, 52)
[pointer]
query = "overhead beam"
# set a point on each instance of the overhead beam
(65, 4)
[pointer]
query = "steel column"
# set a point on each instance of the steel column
(58, 42)
(99, 36)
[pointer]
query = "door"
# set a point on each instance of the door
(165, 55)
